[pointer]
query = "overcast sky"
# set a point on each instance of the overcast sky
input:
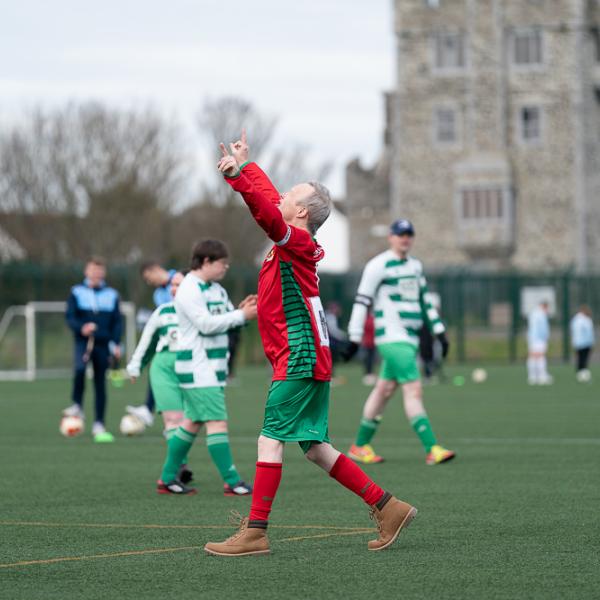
(319, 65)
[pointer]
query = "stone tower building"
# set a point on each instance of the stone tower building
(493, 135)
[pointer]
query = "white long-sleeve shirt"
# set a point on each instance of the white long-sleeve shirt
(397, 290)
(538, 327)
(160, 334)
(582, 331)
(205, 315)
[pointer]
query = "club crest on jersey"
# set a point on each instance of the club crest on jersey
(270, 255)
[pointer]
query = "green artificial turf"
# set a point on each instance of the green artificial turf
(516, 515)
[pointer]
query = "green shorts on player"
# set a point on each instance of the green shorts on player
(298, 411)
(158, 346)
(165, 385)
(399, 362)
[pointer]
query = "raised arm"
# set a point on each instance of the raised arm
(256, 189)
(261, 182)
(240, 150)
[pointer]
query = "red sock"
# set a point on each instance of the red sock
(350, 475)
(266, 482)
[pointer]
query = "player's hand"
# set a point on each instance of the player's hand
(249, 311)
(133, 379)
(444, 343)
(117, 352)
(88, 329)
(240, 149)
(349, 350)
(227, 165)
(251, 299)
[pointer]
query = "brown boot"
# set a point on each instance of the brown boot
(246, 541)
(391, 516)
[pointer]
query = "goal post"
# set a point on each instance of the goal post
(35, 342)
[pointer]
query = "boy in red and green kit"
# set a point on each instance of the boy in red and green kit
(292, 325)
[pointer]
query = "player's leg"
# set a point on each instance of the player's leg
(172, 419)
(532, 368)
(412, 394)
(542, 366)
(78, 389)
(583, 373)
(251, 537)
(217, 441)
(178, 447)
(362, 451)
(391, 514)
(99, 359)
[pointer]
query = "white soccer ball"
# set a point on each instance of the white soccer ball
(132, 425)
(479, 375)
(71, 426)
(584, 376)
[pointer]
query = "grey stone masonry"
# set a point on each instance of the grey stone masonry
(492, 137)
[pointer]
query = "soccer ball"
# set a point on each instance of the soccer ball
(584, 376)
(479, 375)
(71, 426)
(132, 425)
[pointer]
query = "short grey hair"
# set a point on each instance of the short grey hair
(318, 205)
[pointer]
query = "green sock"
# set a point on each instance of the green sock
(366, 430)
(220, 452)
(169, 433)
(177, 448)
(423, 429)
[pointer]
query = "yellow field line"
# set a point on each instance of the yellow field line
(153, 526)
(48, 561)
(325, 535)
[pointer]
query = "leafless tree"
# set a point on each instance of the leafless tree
(104, 178)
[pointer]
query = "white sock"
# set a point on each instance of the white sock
(542, 368)
(531, 369)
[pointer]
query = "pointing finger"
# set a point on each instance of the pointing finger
(223, 149)
(244, 139)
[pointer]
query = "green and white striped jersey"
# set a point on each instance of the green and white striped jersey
(160, 335)
(205, 315)
(397, 290)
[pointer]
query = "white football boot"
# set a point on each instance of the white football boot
(142, 413)
(73, 411)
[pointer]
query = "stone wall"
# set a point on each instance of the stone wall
(556, 183)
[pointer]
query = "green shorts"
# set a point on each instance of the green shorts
(164, 383)
(298, 411)
(399, 362)
(204, 404)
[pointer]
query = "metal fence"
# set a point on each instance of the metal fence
(483, 311)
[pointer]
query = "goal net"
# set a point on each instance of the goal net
(35, 341)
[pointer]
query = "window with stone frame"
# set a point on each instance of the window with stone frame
(449, 50)
(530, 124)
(446, 126)
(528, 47)
(482, 203)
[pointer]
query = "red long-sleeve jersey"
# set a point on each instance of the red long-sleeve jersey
(291, 319)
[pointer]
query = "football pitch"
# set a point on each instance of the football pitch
(516, 515)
